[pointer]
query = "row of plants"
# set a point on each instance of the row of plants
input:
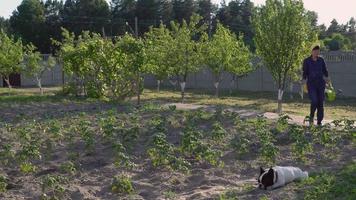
(202, 137)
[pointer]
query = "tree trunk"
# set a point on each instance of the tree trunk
(158, 85)
(182, 87)
(216, 85)
(39, 83)
(280, 97)
(7, 80)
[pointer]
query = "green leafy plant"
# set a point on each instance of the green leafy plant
(268, 150)
(122, 184)
(301, 145)
(241, 141)
(53, 187)
(192, 145)
(27, 167)
(282, 123)
(108, 125)
(121, 157)
(218, 133)
(87, 135)
(68, 167)
(6, 154)
(163, 154)
(3, 184)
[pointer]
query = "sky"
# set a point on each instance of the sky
(341, 10)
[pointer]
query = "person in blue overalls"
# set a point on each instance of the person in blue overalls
(315, 75)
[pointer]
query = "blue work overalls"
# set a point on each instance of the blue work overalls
(313, 72)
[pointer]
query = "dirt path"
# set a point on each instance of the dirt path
(242, 112)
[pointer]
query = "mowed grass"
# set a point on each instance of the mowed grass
(261, 101)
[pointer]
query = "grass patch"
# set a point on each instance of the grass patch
(341, 185)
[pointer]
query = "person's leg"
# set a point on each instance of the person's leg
(312, 92)
(320, 106)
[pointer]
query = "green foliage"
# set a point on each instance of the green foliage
(11, 56)
(27, 167)
(241, 142)
(218, 133)
(68, 167)
(7, 155)
(158, 45)
(163, 154)
(192, 145)
(34, 66)
(122, 185)
(186, 53)
(283, 38)
(301, 144)
(337, 42)
(282, 123)
(97, 67)
(87, 135)
(331, 186)
(3, 184)
(121, 157)
(53, 187)
(268, 150)
(226, 53)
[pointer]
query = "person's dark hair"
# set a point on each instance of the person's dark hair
(317, 47)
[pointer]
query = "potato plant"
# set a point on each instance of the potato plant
(122, 159)
(301, 144)
(192, 145)
(53, 187)
(218, 133)
(122, 184)
(268, 150)
(163, 154)
(241, 142)
(3, 184)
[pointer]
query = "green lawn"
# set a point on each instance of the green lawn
(262, 101)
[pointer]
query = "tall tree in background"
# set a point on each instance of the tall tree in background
(28, 22)
(53, 22)
(5, 25)
(237, 15)
(183, 9)
(283, 38)
(122, 11)
(147, 12)
(86, 15)
(165, 11)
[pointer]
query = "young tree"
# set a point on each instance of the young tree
(186, 52)
(158, 44)
(134, 50)
(35, 66)
(11, 56)
(226, 53)
(283, 36)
